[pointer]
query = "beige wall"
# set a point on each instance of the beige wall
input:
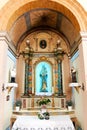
(8, 105)
(2, 3)
(83, 75)
(77, 95)
(83, 3)
(5, 64)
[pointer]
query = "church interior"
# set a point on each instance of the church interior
(43, 48)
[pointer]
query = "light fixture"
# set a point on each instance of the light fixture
(9, 86)
(77, 86)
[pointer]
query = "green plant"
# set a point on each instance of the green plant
(40, 116)
(43, 101)
(78, 128)
(69, 103)
(18, 103)
(46, 114)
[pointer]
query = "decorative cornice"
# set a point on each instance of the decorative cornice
(4, 36)
(42, 58)
(83, 36)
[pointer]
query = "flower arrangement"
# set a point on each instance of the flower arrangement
(40, 116)
(45, 115)
(43, 101)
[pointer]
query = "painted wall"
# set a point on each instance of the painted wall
(8, 97)
(3, 62)
(2, 3)
(83, 3)
(77, 96)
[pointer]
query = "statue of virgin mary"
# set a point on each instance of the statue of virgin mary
(43, 76)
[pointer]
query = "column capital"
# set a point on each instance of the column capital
(83, 36)
(4, 36)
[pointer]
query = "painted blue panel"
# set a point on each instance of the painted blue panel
(43, 78)
(75, 56)
(8, 128)
(11, 56)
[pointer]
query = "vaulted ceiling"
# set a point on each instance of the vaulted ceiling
(43, 19)
(56, 18)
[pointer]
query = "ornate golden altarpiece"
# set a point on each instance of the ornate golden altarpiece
(44, 52)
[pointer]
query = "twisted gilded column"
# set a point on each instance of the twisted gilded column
(58, 53)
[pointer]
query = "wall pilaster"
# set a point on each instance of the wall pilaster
(3, 65)
(83, 57)
(83, 75)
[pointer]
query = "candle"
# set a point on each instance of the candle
(32, 89)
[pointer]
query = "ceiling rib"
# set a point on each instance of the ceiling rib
(27, 19)
(59, 21)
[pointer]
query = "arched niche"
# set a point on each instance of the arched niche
(43, 77)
